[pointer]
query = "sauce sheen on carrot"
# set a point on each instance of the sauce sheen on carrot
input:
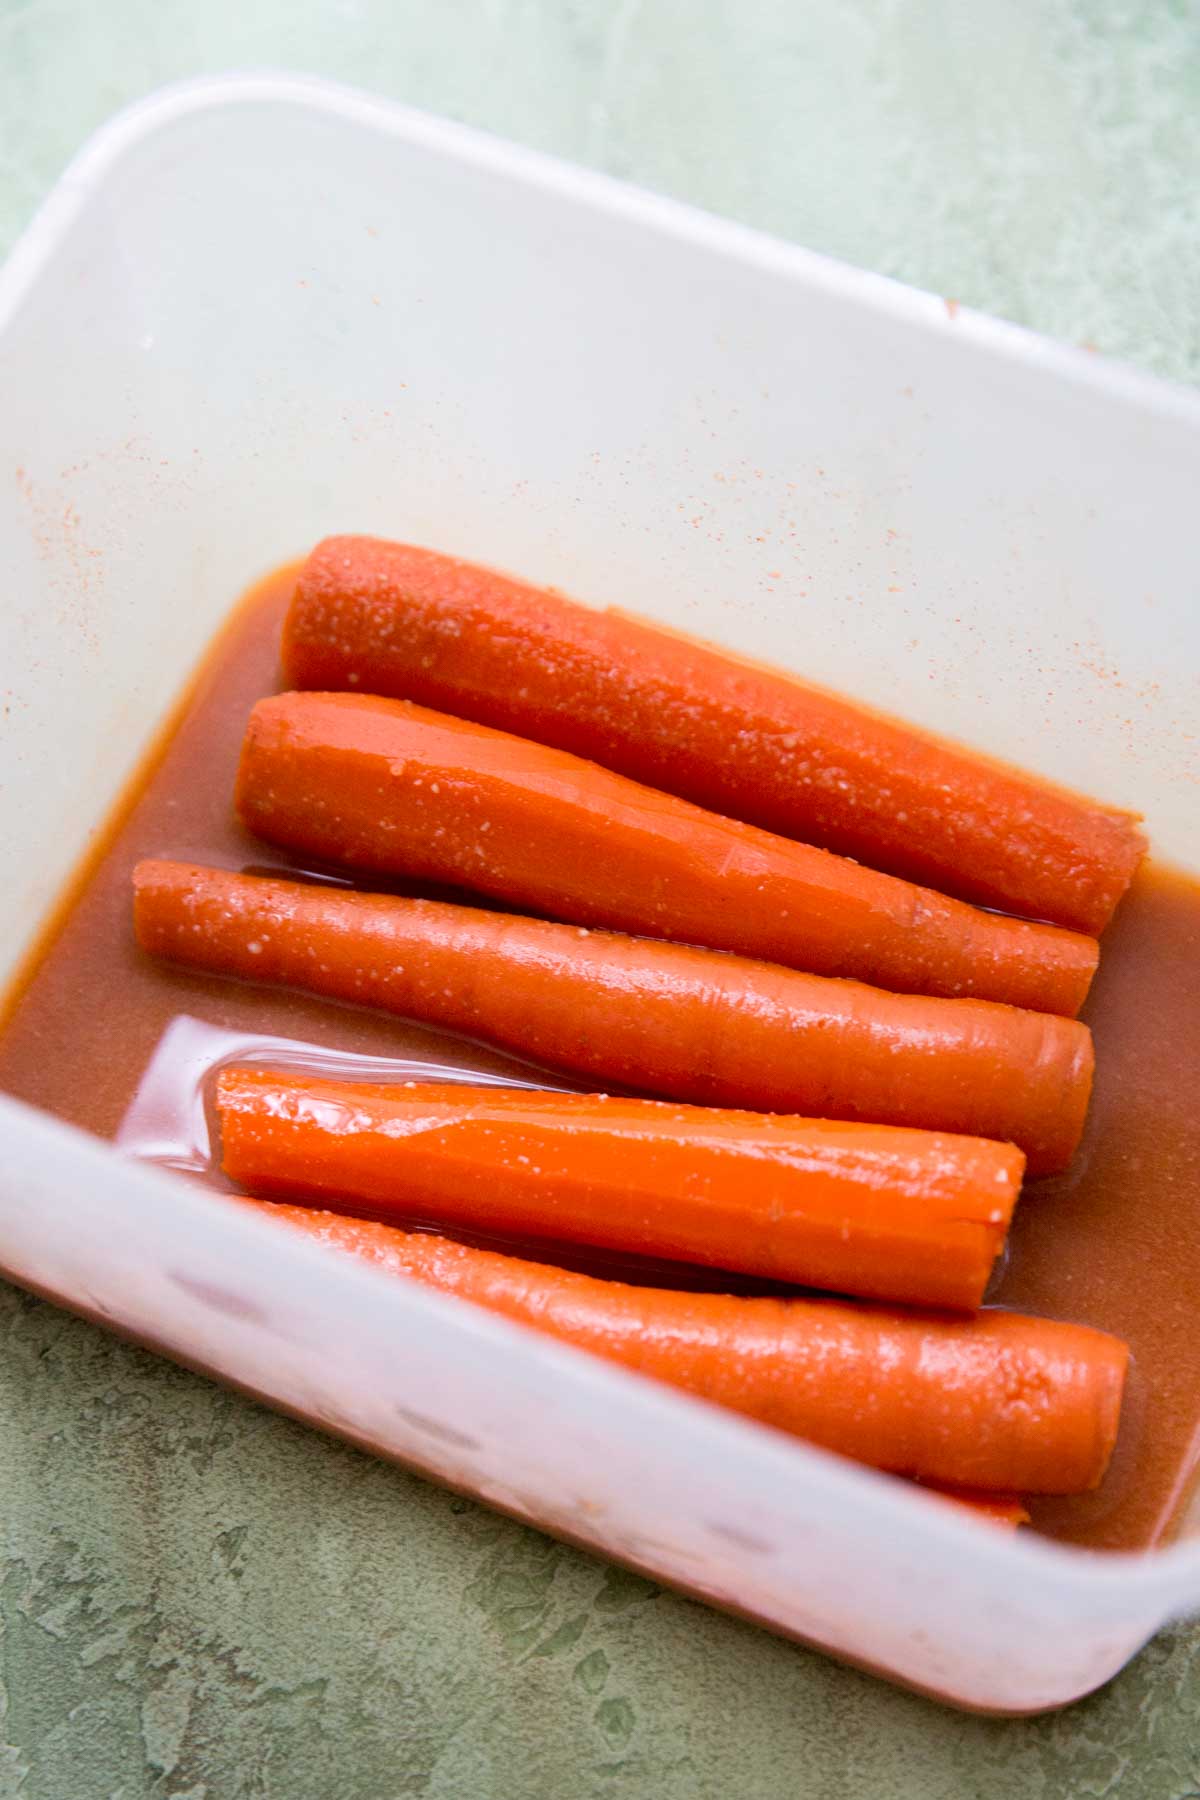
(871, 1210)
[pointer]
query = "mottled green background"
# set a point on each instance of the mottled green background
(203, 1602)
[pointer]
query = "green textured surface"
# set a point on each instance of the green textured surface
(201, 1601)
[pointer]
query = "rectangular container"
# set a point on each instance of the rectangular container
(259, 309)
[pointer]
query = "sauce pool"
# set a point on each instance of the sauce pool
(1115, 1242)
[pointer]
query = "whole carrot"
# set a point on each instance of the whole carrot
(997, 1401)
(745, 740)
(914, 1216)
(386, 786)
(665, 1019)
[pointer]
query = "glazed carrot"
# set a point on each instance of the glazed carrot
(1008, 1511)
(665, 1019)
(388, 787)
(875, 1210)
(996, 1401)
(748, 741)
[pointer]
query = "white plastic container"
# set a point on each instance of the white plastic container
(256, 310)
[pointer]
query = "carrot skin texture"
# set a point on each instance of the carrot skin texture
(998, 1401)
(912, 1216)
(745, 740)
(665, 1019)
(386, 786)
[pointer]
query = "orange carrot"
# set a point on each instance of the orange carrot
(386, 786)
(914, 1216)
(1008, 1511)
(745, 740)
(996, 1401)
(666, 1019)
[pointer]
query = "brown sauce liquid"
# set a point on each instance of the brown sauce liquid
(1115, 1242)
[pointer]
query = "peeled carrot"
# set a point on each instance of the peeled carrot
(662, 1018)
(745, 740)
(386, 786)
(996, 1401)
(914, 1216)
